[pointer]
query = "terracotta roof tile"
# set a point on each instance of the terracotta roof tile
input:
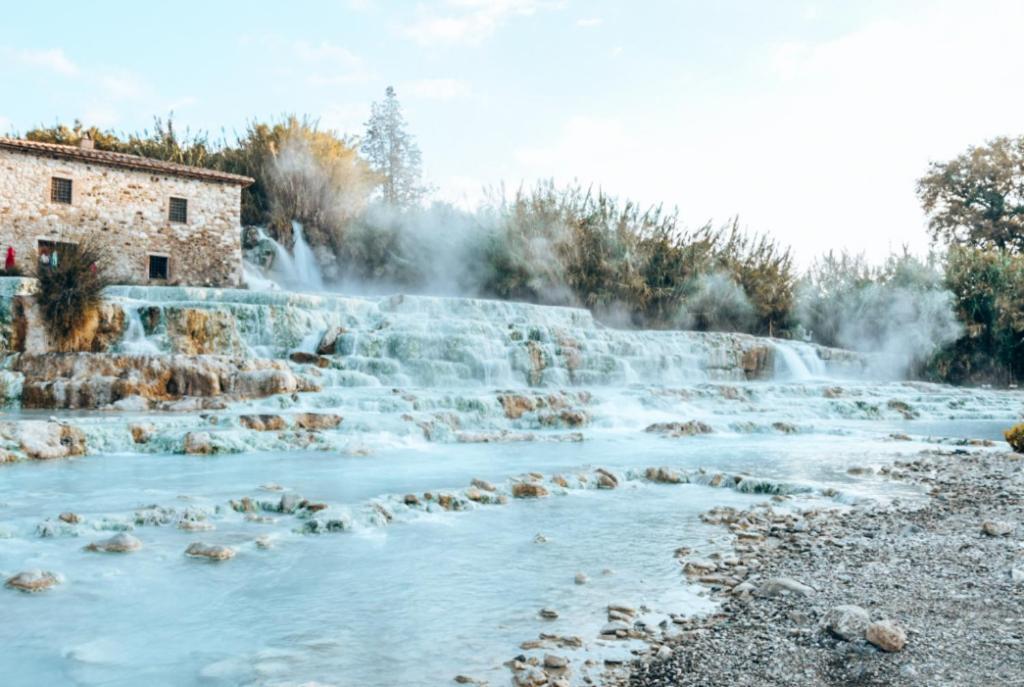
(105, 157)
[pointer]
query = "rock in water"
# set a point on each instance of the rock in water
(263, 423)
(997, 528)
(119, 543)
(211, 552)
(886, 635)
(199, 444)
(528, 490)
(581, 578)
(606, 479)
(142, 432)
(329, 342)
(548, 613)
(32, 581)
(553, 662)
(848, 622)
(317, 421)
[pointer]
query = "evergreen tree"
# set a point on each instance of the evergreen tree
(392, 153)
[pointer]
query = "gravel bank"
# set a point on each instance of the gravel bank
(947, 574)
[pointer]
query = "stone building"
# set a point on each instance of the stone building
(163, 223)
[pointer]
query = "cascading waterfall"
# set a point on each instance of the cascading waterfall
(134, 340)
(296, 270)
(797, 361)
(425, 397)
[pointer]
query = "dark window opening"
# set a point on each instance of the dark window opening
(60, 190)
(158, 266)
(178, 211)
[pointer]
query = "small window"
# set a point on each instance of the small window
(158, 267)
(178, 210)
(60, 190)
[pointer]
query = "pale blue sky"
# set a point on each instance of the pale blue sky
(810, 120)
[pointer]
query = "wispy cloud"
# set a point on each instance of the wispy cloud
(334, 64)
(440, 89)
(589, 22)
(53, 60)
(470, 21)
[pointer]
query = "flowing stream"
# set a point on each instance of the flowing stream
(376, 590)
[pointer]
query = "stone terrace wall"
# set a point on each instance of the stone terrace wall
(127, 210)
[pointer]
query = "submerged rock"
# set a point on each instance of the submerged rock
(482, 484)
(606, 479)
(317, 421)
(119, 543)
(663, 475)
(210, 552)
(199, 443)
(142, 432)
(32, 581)
(679, 429)
(263, 423)
(528, 490)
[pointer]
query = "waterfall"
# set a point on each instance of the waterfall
(135, 341)
(304, 263)
(294, 271)
(797, 361)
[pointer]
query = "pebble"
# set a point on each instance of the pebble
(782, 586)
(886, 635)
(997, 528)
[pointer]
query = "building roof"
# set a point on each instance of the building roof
(105, 157)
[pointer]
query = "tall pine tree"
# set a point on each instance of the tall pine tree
(392, 153)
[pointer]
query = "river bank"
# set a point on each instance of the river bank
(947, 573)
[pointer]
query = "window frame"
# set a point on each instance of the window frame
(56, 187)
(171, 206)
(149, 266)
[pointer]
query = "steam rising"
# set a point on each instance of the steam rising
(900, 311)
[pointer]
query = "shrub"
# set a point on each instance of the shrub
(69, 293)
(1015, 437)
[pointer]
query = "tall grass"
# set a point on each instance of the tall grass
(69, 292)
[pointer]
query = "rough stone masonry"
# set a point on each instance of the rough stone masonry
(125, 202)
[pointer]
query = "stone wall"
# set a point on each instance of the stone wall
(126, 210)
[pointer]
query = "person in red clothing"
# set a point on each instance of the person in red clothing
(9, 262)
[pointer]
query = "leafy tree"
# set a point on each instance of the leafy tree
(977, 199)
(392, 153)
